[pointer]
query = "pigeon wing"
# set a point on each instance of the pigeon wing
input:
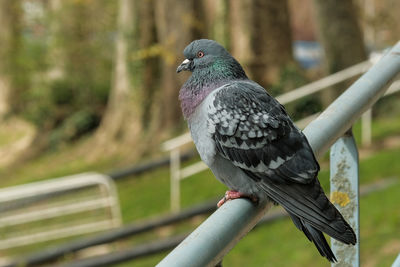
(251, 129)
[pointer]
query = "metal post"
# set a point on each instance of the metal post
(175, 177)
(366, 126)
(345, 196)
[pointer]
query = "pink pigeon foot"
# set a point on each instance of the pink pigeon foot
(232, 194)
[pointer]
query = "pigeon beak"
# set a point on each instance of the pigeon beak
(185, 65)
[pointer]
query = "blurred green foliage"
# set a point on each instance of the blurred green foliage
(80, 51)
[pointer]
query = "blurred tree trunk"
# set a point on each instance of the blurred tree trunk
(261, 37)
(10, 30)
(121, 120)
(341, 37)
(55, 54)
(271, 40)
(177, 26)
(151, 63)
(197, 21)
(240, 14)
(217, 20)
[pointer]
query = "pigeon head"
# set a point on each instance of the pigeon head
(203, 56)
(202, 53)
(211, 66)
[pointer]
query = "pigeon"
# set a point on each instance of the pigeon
(251, 145)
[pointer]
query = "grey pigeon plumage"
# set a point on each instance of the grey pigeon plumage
(251, 145)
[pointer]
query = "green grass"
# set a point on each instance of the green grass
(278, 244)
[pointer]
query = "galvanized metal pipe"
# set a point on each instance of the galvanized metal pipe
(348, 107)
(396, 263)
(345, 196)
(207, 245)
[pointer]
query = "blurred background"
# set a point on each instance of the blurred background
(91, 85)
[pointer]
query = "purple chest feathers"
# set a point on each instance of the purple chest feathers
(192, 97)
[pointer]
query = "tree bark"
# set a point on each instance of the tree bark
(55, 56)
(261, 37)
(150, 63)
(10, 15)
(176, 26)
(217, 21)
(240, 13)
(271, 40)
(341, 38)
(122, 116)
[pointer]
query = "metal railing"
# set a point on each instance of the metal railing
(66, 197)
(174, 145)
(396, 263)
(207, 245)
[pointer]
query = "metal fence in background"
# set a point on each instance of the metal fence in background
(207, 245)
(72, 205)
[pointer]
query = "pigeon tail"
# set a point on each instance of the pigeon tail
(309, 203)
(315, 236)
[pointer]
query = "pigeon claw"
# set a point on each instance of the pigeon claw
(232, 194)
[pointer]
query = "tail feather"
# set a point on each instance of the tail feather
(320, 242)
(314, 236)
(309, 203)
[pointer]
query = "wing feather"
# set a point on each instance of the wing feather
(252, 129)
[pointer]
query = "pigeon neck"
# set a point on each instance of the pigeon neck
(192, 94)
(206, 79)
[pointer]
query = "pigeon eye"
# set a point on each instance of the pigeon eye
(200, 54)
